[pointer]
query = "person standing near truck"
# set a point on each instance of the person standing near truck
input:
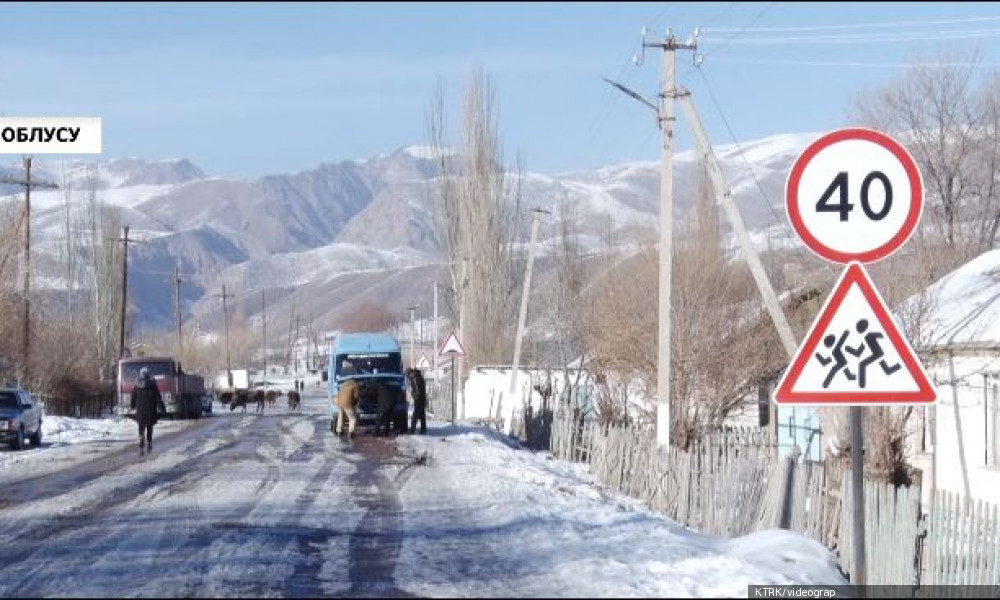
(418, 391)
(347, 401)
(145, 401)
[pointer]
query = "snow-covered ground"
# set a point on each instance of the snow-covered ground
(513, 522)
(246, 504)
(66, 441)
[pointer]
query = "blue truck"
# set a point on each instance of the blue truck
(367, 358)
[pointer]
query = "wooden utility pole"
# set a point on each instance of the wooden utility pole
(27, 184)
(124, 309)
(525, 290)
(225, 318)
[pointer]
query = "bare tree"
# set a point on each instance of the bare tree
(105, 275)
(950, 126)
(476, 217)
(367, 317)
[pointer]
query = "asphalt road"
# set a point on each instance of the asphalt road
(242, 504)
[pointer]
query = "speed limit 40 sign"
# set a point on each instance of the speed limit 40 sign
(854, 195)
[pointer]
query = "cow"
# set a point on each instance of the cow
(270, 397)
(294, 400)
(239, 399)
(259, 398)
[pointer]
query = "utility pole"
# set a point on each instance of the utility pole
(125, 242)
(225, 318)
(295, 345)
(263, 323)
(177, 305)
(725, 196)
(665, 120)
(523, 316)
(27, 184)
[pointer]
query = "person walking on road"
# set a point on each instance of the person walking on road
(146, 400)
(418, 391)
(347, 400)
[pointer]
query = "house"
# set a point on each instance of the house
(957, 335)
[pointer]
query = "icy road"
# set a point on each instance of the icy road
(242, 504)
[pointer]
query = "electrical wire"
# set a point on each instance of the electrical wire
(889, 38)
(783, 61)
(868, 25)
(739, 147)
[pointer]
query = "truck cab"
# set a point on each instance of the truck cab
(182, 393)
(368, 358)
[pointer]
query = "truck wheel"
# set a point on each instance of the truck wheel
(36, 440)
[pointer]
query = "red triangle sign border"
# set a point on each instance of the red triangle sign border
(447, 341)
(854, 274)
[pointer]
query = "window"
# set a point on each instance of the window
(8, 400)
(156, 369)
(359, 364)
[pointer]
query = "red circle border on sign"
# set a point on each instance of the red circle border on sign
(824, 142)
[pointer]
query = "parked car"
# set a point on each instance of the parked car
(20, 418)
(206, 404)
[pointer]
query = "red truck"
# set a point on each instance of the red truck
(182, 392)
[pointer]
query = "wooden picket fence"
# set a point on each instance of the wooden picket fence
(733, 484)
(962, 546)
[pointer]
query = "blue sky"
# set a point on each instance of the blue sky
(249, 89)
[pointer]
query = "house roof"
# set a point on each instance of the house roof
(962, 308)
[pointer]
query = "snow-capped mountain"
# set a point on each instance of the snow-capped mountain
(303, 236)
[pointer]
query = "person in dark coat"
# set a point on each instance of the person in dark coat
(146, 400)
(418, 391)
(387, 395)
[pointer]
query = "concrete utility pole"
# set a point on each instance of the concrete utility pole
(665, 119)
(225, 318)
(523, 315)
(725, 196)
(27, 184)
(177, 308)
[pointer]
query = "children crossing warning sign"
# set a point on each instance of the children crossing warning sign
(854, 354)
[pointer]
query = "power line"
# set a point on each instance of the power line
(867, 25)
(739, 147)
(888, 38)
(740, 31)
(819, 63)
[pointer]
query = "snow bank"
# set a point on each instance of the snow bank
(69, 430)
(481, 514)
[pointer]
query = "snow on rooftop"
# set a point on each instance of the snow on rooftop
(964, 306)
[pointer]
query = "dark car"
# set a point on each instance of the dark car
(20, 418)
